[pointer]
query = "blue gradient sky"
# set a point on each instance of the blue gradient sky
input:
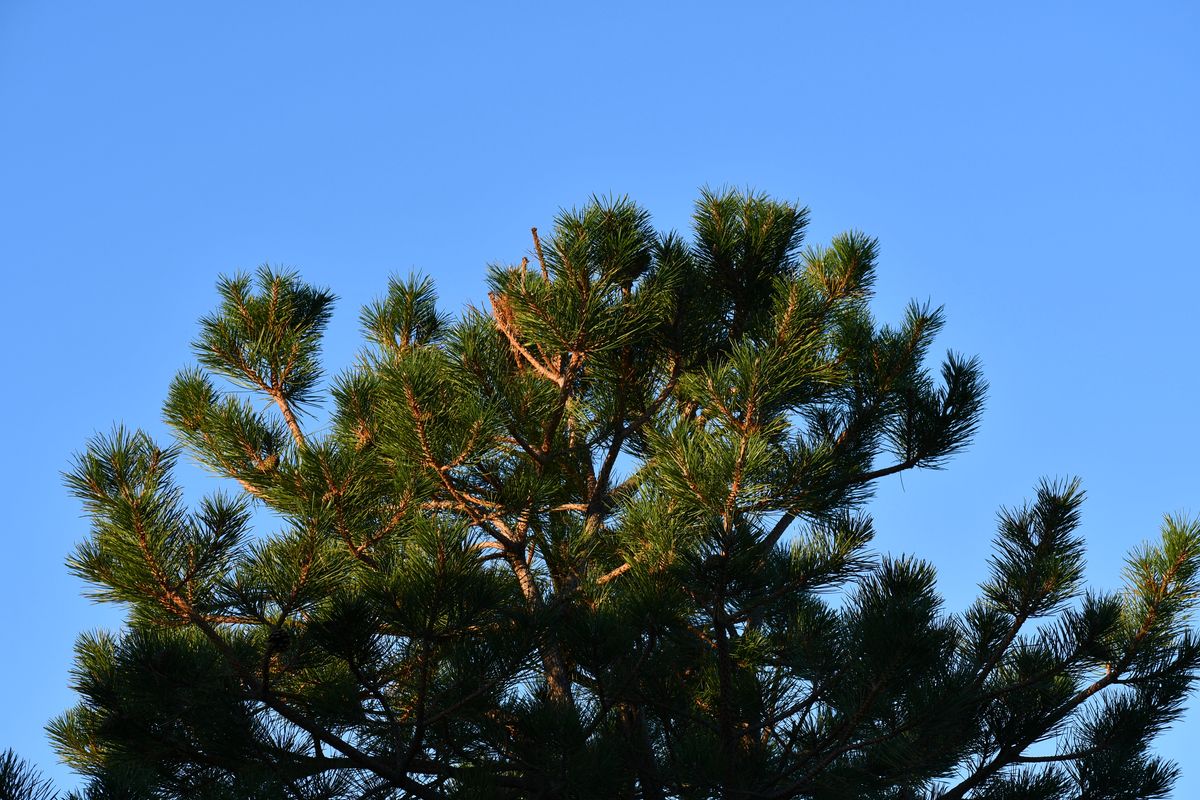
(1033, 166)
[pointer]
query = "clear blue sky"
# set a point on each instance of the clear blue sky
(1033, 166)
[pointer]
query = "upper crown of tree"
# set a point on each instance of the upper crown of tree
(604, 538)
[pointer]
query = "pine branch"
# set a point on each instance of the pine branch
(537, 246)
(504, 323)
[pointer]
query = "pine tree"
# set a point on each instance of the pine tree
(606, 538)
(20, 781)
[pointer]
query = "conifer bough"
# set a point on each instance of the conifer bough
(603, 539)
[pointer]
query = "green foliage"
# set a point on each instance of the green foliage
(605, 539)
(19, 781)
(267, 340)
